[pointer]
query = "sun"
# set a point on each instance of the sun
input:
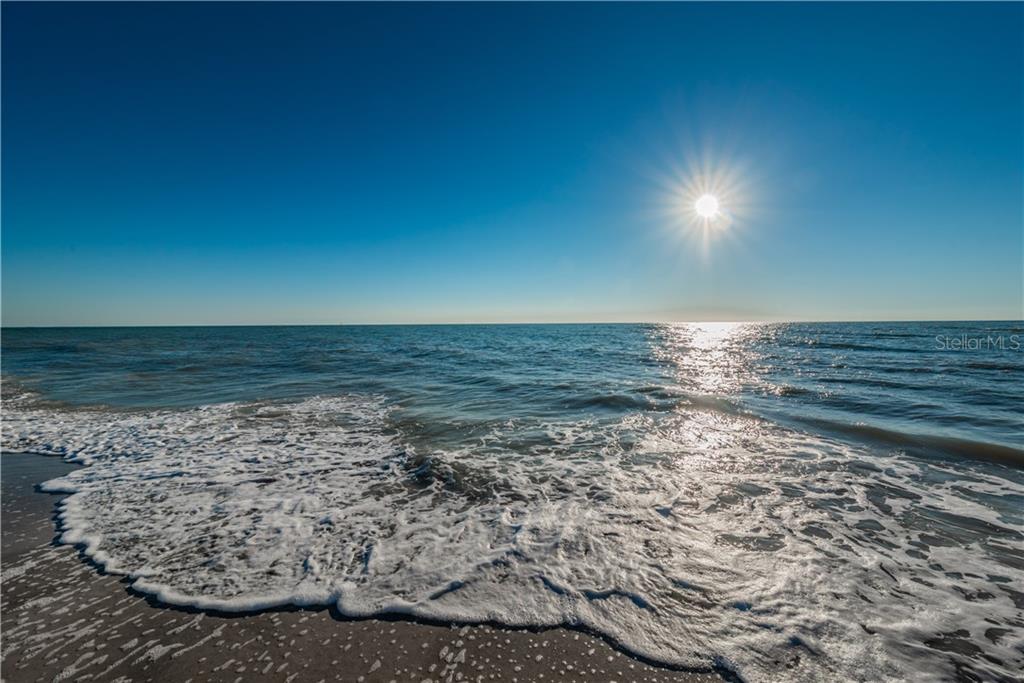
(705, 199)
(706, 206)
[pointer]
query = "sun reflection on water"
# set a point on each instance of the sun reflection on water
(712, 358)
(712, 364)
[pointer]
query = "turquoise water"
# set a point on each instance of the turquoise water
(841, 499)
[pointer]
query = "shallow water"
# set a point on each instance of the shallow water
(843, 500)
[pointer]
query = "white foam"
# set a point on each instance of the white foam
(691, 538)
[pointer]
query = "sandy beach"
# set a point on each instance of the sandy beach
(64, 620)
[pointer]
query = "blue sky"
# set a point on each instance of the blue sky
(323, 163)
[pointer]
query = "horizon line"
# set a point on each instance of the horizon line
(521, 323)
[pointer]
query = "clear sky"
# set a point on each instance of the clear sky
(324, 163)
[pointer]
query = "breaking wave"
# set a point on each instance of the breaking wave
(697, 537)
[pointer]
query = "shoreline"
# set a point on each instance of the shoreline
(64, 618)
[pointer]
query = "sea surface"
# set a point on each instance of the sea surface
(801, 501)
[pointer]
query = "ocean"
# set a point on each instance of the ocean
(834, 501)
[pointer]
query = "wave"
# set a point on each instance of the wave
(854, 346)
(994, 365)
(614, 402)
(698, 537)
(924, 443)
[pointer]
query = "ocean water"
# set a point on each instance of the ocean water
(808, 501)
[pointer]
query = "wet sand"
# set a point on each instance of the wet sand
(64, 620)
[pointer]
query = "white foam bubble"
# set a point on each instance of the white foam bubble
(691, 538)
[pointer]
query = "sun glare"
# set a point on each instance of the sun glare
(706, 206)
(706, 198)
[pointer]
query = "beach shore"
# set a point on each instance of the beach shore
(63, 619)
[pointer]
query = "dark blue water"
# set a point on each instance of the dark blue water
(843, 499)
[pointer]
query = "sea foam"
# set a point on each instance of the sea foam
(696, 538)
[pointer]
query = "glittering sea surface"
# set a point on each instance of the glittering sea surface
(832, 501)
